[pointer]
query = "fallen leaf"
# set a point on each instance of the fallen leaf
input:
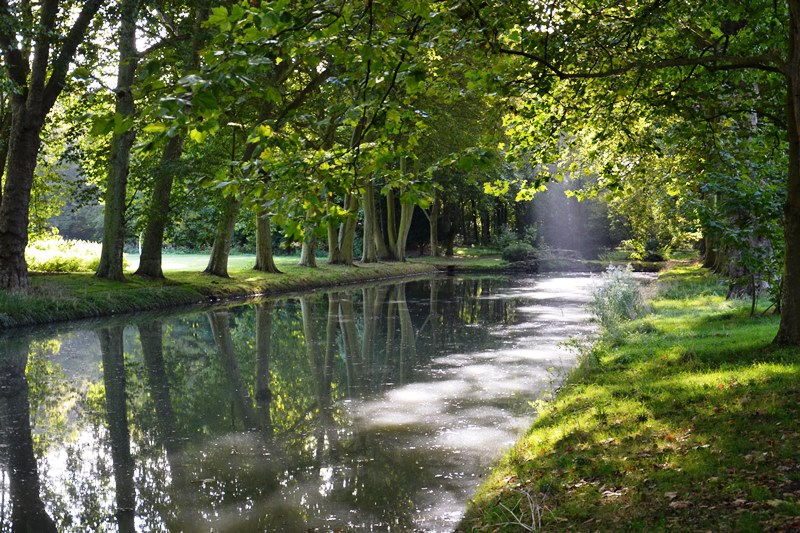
(680, 505)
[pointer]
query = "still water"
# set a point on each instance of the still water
(375, 408)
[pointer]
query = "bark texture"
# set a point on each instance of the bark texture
(406, 214)
(308, 254)
(158, 213)
(789, 328)
(265, 262)
(223, 238)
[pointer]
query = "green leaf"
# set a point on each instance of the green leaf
(102, 125)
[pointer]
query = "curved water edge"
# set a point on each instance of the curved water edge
(373, 408)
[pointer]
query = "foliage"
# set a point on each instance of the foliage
(55, 254)
(518, 251)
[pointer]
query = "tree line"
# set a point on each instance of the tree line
(340, 119)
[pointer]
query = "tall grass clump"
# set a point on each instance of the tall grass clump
(616, 300)
(56, 254)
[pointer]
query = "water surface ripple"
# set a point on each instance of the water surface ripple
(375, 408)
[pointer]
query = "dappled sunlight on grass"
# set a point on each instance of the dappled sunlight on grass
(690, 422)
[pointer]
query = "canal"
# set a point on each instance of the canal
(369, 408)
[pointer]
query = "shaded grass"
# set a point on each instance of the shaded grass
(58, 297)
(690, 424)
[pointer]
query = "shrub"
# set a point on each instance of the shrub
(504, 239)
(518, 251)
(616, 299)
(56, 254)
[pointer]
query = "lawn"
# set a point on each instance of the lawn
(689, 422)
(198, 262)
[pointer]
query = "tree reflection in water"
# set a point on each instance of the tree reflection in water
(19, 464)
(250, 418)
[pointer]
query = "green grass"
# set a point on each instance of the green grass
(691, 423)
(198, 262)
(58, 297)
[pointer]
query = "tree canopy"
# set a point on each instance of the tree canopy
(332, 123)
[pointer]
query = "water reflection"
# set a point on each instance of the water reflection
(19, 464)
(372, 408)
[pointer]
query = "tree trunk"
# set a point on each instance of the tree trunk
(158, 213)
(114, 380)
(218, 261)
(5, 137)
(380, 240)
(265, 262)
(308, 253)
(433, 220)
(334, 253)
(710, 251)
(789, 328)
(371, 226)
(485, 227)
(121, 144)
(449, 229)
(391, 223)
(14, 210)
(406, 214)
(347, 232)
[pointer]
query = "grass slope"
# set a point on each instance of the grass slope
(691, 422)
(58, 297)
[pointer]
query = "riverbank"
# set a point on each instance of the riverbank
(689, 421)
(61, 297)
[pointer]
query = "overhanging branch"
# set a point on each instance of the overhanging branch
(766, 62)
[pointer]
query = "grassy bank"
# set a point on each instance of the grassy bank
(58, 297)
(689, 421)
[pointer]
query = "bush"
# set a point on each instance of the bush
(504, 239)
(518, 251)
(616, 299)
(56, 254)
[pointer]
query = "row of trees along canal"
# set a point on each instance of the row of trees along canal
(336, 119)
(274, 373)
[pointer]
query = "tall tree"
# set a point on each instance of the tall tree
(38, 69)
(121, 144)
(158, 210)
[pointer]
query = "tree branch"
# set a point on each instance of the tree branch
(16, 65)
(41, 46)
(766, 62)
(301, 97)
(73, 39)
